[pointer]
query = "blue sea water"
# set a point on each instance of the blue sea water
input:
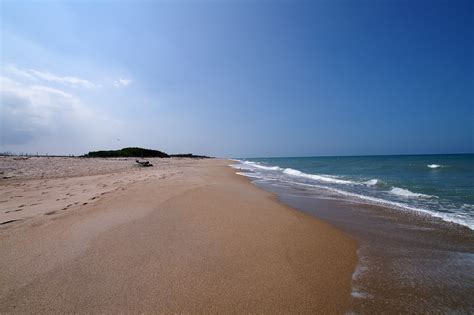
(438, 185)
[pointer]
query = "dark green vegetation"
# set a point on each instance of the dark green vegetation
(190, 155)
(139, 152)
(128, 152)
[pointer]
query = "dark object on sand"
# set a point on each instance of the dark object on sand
(128, 152)
(21, 158)
(144, 163)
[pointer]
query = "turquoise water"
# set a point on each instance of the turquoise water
(439, 185)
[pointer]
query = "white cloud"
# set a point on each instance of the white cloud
(33, 74)
(122, 82)
(72, 81)
(38, 118)
(19, 72)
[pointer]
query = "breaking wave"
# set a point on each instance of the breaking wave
(372, 190)
(372, 182)
(292, 172)
(406, 193)
(263, 167)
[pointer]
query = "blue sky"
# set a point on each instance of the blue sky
(238, 78)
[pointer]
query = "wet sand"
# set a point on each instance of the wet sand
(185, 236)
(409, 263)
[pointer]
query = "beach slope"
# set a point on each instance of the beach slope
(184, 236)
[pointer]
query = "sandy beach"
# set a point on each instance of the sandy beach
(188, 236)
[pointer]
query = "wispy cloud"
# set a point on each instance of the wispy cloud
(33, 74)
(19, 72)
(40, 117)
(120, 82)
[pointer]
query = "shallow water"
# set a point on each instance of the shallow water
(409, 261)
(441, 185)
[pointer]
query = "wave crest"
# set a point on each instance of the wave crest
(372, 182)
(292, 172)
(406, 193)
(263, 167)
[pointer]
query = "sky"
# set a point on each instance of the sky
(238, 78)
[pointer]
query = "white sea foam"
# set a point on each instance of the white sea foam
(394, 205)
(361, 266)
(292, 172)
(406, 193)
(263, 167)
(434, 165)
(467, 206)
(374, 200)
(372, 182)
(247, 174)
(359, 295)
(239, 167)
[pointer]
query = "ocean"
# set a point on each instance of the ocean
(412, 216)
(439, 185)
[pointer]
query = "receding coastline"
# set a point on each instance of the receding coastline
(409, 262)
(188, 235)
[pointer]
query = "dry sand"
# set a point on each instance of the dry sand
(97, 235)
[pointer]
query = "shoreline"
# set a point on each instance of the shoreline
(408, 263)
(368, 189)
(186, 236)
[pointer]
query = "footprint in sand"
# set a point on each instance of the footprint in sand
(9, 221)
(50, 213)
(13, 210)
(67, 207)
